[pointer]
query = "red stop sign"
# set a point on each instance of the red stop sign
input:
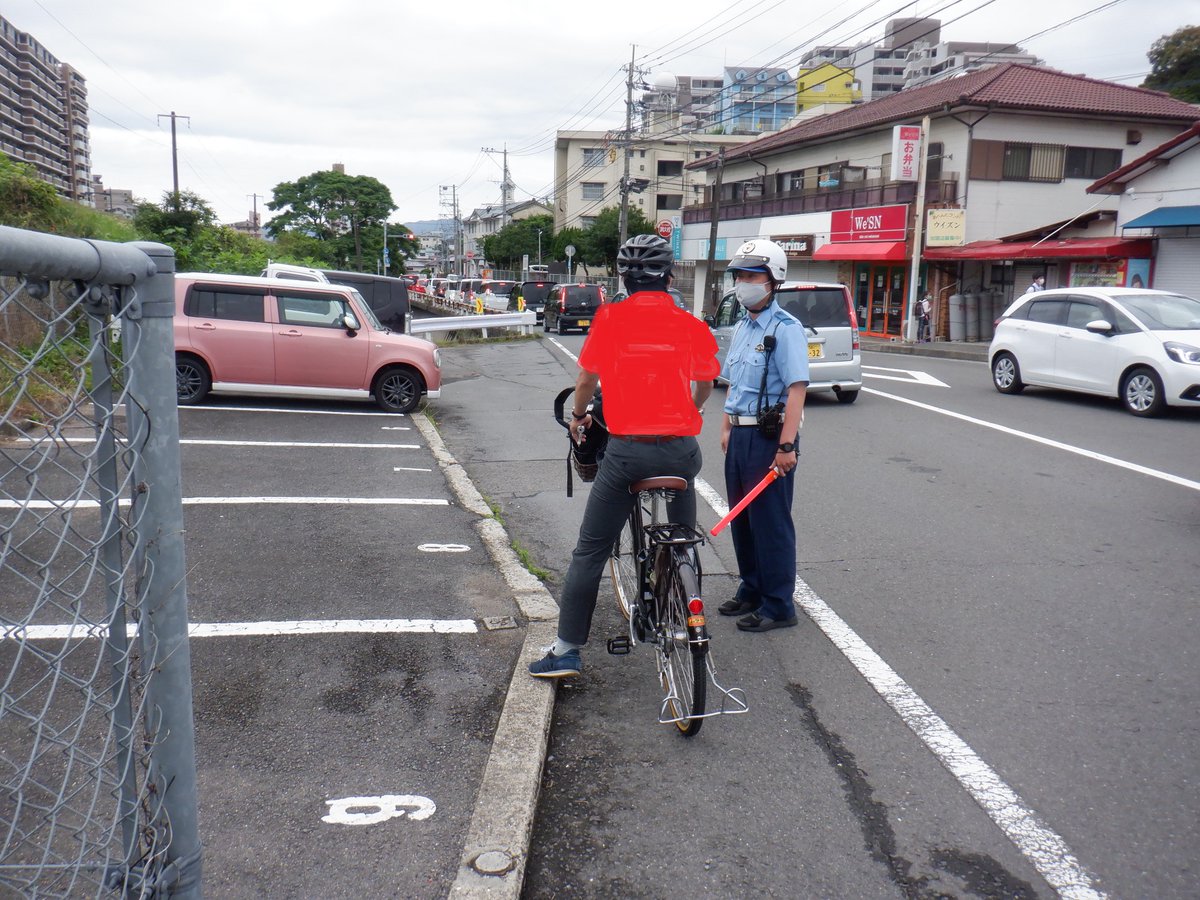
(665, 228)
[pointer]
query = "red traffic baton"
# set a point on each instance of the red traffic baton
(745, 501)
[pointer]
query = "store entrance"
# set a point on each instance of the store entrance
(879, 295)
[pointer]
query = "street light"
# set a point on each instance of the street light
(539, 231)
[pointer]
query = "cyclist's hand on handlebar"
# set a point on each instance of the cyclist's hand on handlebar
(579, 428)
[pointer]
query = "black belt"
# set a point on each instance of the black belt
(647, 438)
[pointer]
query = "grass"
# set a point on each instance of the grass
(522, 554)
(466, 336)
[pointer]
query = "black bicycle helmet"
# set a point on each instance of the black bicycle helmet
(645, 257)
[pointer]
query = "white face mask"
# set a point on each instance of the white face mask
(750, 293)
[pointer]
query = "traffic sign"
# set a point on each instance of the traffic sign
(569, 249)
(470, 254)
(665, 228)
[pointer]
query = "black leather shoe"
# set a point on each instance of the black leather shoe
(737, 607)
(755, 622)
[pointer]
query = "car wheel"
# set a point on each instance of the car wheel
(1142, 392)
(398, 390)
(192, 380)
(561, 330)
(847, 396)
(1006, 374)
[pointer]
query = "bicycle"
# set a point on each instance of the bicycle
(655, 569)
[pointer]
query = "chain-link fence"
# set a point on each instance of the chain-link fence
(97, 761)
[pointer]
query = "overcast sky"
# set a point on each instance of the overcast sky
(411, 93)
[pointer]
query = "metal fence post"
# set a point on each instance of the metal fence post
(162, 592)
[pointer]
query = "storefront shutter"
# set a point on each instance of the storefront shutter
(1177, 266)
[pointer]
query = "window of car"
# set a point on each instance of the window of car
(220, 303)
(1051, 311)
(817, 307)
(1083, 310)
(321, 311)
(1161, 311)
(729, 312)
(581, 292)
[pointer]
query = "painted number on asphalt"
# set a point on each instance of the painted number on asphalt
(443, 548)
(378, 809)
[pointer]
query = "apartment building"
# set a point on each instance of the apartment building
(487, 220)
(826, 85)
(44, 114)
(755, 100)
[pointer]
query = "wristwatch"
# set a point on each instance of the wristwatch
(789, 447)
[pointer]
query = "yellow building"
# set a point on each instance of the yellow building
(826, 83)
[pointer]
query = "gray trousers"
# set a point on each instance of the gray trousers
(608, 508)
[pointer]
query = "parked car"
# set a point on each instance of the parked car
(1140, 346)
(530, 296)
(267, 336)
(572, 305)
(387, 296)
(827, 314)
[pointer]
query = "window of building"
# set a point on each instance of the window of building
(1016, 161)
(669, 201)
(668, 168)
(1091, 162)
(592, 190)
(593, 156)
(587, 221)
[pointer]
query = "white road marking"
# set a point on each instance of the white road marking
(80, 631)
(443, 548)
(1058, 445)
(912, 376)
(293, 412)
(389, 806)
(409, 469)
(1043, 847)
(559, 345)
(394, 428)
(206, 442)
(238, 501)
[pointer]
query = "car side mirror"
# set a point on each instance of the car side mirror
(350, 323)
(710, 321)
(1099, 326)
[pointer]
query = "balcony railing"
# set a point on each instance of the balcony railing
(786, 203)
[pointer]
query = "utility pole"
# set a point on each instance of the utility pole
(254, 219)
(711, 284)
(914, 275)
(628, 147)
(174, 152)
(506, 185)
(458, 236)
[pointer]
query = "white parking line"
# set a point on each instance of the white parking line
(256, 629)
(409, 469)
(239, 501)
(292, 412)
(1058, 445)
(1047, 851)
(205, 442)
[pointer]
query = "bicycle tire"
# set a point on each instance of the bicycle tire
(684, 664)
(623, 568)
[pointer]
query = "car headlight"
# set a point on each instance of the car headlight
(1184, 353)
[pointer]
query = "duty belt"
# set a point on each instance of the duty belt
(741, 420)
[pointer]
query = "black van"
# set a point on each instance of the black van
(387, 296)
(572, 306)
(530, 296)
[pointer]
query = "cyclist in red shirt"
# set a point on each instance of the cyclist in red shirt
(657, 364)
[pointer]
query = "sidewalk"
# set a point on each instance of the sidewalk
(976, 351)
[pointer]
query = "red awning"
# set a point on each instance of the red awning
(1069, 248)
(864, 250)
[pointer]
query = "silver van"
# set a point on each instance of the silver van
(827, 314)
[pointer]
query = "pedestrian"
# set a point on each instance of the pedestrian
(923, 310)
(767, 371)
(1038, 284)
(657, 364)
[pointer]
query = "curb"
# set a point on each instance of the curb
(497, 844)
(939, 349)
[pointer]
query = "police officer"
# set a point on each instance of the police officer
(767, 371)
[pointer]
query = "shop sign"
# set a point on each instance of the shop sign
(1101, 273)
(906, 152)
(871, 223)
(796, 246)
(677, 236)
(945, 227)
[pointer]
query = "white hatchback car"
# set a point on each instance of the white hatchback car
(1138, 345)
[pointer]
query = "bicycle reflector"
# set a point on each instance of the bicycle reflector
(695, 606)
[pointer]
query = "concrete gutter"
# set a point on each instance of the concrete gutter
(497, 845)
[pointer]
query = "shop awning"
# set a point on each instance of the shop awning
(863, 250)
(1070, 248)
(1167, 217)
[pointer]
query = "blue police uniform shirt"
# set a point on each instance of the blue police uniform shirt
(743, 366)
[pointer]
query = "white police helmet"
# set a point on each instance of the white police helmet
(760, 256)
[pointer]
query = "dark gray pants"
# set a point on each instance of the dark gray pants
(608, 508)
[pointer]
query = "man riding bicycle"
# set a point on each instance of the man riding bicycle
(657, 363)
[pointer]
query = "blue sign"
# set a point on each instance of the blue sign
(677, 237)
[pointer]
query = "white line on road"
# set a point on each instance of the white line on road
(409, 469)
(256, 629)
(912, 376)
(239, 501)
(1058, 445)
(219, 443)
(1047, 851)
(294, 412)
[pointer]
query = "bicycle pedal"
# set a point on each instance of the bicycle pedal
(619, 646)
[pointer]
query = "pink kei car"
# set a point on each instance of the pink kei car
(266, 336)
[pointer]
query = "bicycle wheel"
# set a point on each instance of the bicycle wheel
(682, 663)
(623, 567)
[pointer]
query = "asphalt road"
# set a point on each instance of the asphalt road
(1037, 596)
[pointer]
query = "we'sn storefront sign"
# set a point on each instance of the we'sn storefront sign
(873, 223)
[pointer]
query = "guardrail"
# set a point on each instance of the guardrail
(524, 321)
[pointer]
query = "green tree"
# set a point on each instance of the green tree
(1175, 64)
(603, 238)
(575, 237)
(334, 207)
(176, 221)
(507, 246)
(26, 201)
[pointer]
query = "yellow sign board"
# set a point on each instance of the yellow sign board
(945, 227)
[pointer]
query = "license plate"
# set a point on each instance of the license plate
(583, 323)
(815, 351)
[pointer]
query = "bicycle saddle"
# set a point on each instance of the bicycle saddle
(659, 483)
